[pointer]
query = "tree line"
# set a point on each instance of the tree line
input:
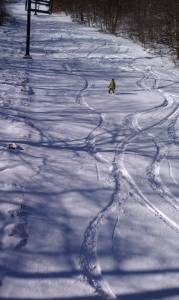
(3, 12)
(155, 23)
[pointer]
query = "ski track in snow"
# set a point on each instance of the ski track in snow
(153, 172)
(153, 175)
(90, 140)
(171, 173)
(124, 183)
(89, 259)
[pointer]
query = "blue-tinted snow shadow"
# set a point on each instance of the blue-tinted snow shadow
(150, 295)
(147, 295)
(72, 273)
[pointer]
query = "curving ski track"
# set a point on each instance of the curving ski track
(89, 257)
(121, 177)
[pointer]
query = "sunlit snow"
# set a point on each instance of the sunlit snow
(89, 200)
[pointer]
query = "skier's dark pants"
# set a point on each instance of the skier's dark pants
(111, 91)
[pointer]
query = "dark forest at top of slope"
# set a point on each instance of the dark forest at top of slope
(3, 12)
(155, 23)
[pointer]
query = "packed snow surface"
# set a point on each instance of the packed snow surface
(89, 180)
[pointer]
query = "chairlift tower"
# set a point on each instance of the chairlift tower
(36, 6)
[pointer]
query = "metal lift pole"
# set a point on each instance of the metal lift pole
(27, 55)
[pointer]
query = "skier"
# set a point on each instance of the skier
(112, 86)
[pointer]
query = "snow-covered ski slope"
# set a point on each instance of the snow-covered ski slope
(89, 208)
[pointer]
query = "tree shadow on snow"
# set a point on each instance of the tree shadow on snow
(147, 295)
